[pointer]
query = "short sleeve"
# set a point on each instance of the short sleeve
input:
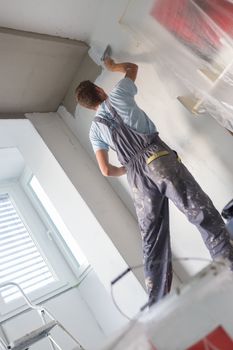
(124, 87)
(96, 140)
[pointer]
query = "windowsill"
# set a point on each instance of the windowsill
(84, 271)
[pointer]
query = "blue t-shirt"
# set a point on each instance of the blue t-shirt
(122, 100)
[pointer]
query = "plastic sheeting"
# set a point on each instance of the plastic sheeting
(205, 29)
(194, 52)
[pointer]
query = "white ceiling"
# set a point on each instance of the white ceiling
(12, 163)
(73, 19)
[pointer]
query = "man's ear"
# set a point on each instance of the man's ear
(98, 89)
(102, 94)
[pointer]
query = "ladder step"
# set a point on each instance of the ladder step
(32, 337)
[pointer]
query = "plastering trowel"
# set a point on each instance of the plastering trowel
(98, 55)
(107, 53)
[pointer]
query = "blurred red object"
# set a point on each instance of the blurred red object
(220, 11)
(218, 339)
(187, 22)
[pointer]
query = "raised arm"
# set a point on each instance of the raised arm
(106, 168)
(130, 69)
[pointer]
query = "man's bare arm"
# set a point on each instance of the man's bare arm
(106, 168)
(130, 69)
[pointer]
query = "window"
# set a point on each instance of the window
(35, 247)
(21, 260)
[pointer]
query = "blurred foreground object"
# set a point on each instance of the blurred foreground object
(198, 315)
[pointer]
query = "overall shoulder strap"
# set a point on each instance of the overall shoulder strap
(103, 121)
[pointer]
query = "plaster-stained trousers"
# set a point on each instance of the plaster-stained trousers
(152, 185)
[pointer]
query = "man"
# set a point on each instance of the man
(154, 172)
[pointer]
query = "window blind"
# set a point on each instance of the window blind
(20, 259)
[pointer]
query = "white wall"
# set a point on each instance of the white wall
(87, 70)
(92, 239)
(12, 163)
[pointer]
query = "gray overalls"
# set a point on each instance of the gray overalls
(155, 174)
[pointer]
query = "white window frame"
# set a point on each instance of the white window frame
(58, 265)
(78, 267)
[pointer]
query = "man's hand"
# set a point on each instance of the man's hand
(130, 69)
(106, 168)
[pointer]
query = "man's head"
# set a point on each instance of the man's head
(89, 95)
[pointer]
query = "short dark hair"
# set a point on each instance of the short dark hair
(87, 95)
